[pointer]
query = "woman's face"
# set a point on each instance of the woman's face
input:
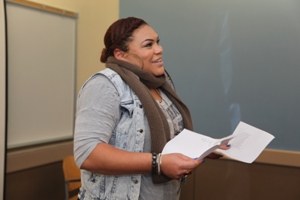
(145, 51)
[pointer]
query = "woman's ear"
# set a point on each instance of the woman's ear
(119, 54)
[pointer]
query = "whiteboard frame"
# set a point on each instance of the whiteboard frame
(58, 12)
(3, 68)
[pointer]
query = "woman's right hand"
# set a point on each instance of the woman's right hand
(177, 165)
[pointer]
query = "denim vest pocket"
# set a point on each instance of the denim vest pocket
(127, 108)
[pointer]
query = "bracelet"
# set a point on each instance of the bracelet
(154, 163)
(158, 163)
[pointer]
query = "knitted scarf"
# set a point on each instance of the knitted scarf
(159, 128)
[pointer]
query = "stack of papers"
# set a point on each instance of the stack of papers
(247, 142)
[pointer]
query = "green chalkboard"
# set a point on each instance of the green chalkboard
(231, 61)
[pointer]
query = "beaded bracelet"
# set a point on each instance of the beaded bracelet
(154, 163)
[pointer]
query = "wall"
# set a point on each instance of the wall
(238, 59)
(28, 169)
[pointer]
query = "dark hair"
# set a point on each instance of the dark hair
(118, 35)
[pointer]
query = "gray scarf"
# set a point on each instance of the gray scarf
(159, 128)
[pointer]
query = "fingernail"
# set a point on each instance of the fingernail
(228, 145)
(203, 161)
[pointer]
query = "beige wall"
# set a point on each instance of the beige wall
(94, 17)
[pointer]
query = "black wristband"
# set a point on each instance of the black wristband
(154, 163)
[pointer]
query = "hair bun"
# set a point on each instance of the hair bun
(103, 56)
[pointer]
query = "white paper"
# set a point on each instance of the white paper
(247, 142)
(193, 144)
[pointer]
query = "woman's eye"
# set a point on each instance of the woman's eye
(149, 44)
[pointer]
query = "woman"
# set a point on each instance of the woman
(125, 115)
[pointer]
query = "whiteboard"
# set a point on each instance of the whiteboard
(41, 75)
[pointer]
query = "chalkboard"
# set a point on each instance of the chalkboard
(231, 61)
(41, 75)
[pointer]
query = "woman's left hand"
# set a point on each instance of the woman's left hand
(225, 146)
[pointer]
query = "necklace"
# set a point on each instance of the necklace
(175, 128)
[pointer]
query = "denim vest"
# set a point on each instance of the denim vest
(128, 135)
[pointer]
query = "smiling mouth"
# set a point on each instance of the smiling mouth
(157, 61)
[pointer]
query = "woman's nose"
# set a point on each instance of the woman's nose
(158, 49)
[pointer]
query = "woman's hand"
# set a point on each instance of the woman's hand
(216, 155)
(176, 165)
(225, 146)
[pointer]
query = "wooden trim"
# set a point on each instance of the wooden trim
(278, 157)
(44, 7)
(36, 156)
